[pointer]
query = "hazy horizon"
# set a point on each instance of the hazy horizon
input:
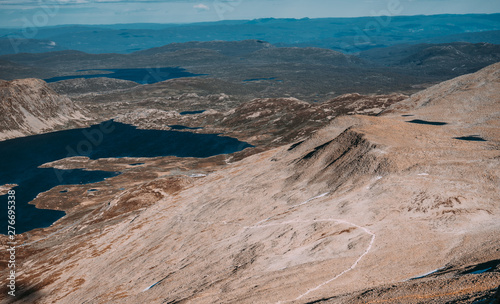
(24, 13)
(235, 20)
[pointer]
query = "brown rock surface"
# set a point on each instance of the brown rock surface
(346, 216)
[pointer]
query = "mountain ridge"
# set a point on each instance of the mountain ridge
(29, 107)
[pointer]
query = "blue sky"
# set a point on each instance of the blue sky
(18, 13)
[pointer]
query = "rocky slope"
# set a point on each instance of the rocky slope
(348, 215)
(29, 107)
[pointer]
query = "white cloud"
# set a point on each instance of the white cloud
(201, 7)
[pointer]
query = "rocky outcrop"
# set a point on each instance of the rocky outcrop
(29, 107)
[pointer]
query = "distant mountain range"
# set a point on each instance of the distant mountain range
(349, 35)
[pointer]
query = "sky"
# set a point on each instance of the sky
(29, 13)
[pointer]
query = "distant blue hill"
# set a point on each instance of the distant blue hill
(349, 35)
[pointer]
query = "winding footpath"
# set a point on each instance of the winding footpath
(372, 240)
(367, 231)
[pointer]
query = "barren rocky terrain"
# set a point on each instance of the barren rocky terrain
(399, 206)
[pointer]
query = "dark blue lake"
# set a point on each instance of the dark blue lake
(426, 122)
(192, 112)
(21, 158)
(142, 75)
(471, 138)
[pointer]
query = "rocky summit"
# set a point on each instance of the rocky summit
(401, 207)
